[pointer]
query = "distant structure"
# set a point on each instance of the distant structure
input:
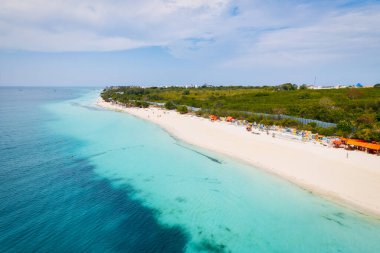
(359, 85)
(339, 86)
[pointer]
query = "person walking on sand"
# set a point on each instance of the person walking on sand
(347, 155)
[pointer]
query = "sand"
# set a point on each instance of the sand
(326, 171)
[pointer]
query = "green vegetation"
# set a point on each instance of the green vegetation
(141, 104)
(170, 105)
(182, 109)
(356, 111)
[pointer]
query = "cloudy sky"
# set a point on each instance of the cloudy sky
(155, 42)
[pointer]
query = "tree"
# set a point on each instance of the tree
(356, 110)
(366, 119)
(377, 85)
(287, 86)
(170, 105)
(303, 87)
(144, 104)
(182, 109)
(344, 126)
(365, 134)
(327, 131)
(124, 100)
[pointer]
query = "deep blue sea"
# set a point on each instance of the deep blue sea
(77, 178)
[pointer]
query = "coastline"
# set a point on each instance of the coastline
(352, 181)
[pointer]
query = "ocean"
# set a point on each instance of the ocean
(77, 178)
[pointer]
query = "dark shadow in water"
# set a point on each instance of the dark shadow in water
(138, 230)
(200, 153)
(92, 108)
(210, 245)
(338, 219)
(52, 201)
(105, 152)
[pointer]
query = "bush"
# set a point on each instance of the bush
(326, 102)
(182, 109)
(304, 95)
(344, 126)
(200, 113)
(261, 94)
(327, 131)
(267, 121)
(170, 105)
(288, 123)
(144, 104)
(287, 86)
(366, 134)
(141, 104)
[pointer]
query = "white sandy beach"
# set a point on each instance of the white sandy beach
(354, 181)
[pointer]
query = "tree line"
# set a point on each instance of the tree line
(355, 111)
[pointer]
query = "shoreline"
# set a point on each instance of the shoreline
(353, 182)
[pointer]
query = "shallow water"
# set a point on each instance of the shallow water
(75, 177)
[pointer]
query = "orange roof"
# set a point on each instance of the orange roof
(372, 146)
(213, 117)
(363, 144)
(354, 142)
(230, 119)
(337, 142)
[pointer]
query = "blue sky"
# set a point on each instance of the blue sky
(158, 42)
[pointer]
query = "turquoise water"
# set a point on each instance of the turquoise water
(79, 178)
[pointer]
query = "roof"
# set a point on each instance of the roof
(359, 143)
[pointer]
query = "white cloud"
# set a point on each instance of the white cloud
(335, 37)
(40, 40)
(264, 33)
(44, 25)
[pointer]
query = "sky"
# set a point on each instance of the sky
(181, 42)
